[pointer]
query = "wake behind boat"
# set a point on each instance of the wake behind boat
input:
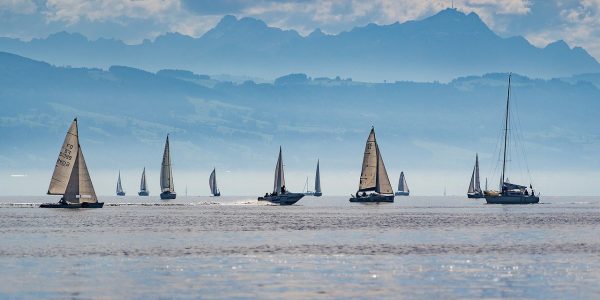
(71, 178)
(509, 193)
(402, 186)
(373, 177)
(167, 187)
(475, 191)
(280, 195)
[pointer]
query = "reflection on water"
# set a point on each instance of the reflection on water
(324, 247)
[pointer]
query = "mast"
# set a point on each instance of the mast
(279, 176)
(505, 134)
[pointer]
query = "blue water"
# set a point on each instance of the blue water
(235, 247)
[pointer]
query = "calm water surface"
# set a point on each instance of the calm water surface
(235, 247)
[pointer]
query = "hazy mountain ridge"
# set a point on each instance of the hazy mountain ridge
(444, 46)
(124, 110)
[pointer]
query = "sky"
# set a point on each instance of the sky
(540, 21)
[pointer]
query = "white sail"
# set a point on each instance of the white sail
(80, 188)
(279, 176)
(166, 174)
(143, 186)
(317, 180)
(383, 185)
(474, 185)
(119, 186)
(212, 182)
(369, 165)
(65, 162)
(402, 185)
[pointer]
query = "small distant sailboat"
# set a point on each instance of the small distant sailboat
(167, 187)
(143, 186)
(373, 177)
(402, 186)
(71, 178)
(317, 192)
(212, 182)
(120, 191)
(509, 193)
(474, 191)
(280, 194)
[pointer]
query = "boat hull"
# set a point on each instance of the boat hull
(475, 195)
(512, 199)
(77, 205)
(373, 198)
(285, 199)
(121, 194)
(402, 193)
(217, 195)
(168, 196)
(318, 194)
(143, 194)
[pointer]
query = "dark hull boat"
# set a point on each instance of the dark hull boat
(478, 195)
(283, 199)
(212, 183)
(373, 177)
(168, 196)
(143, 194)
(402, 193)
(373, 198)
(77, 205)
(510, 193)
(71, 178)
(166, 175)
(280, 195)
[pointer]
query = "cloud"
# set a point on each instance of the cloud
(18, 6)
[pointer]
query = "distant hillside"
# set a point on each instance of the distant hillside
(125, 114)
(444, 46)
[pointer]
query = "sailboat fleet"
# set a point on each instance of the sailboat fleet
(72, 180)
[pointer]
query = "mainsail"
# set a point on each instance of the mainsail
(119, 186)
(279, 176)
(475, 186)
(166, 174)
(71, 177)
(318, 180)
(402, 185)
(143, 186)
(212, 182)
(374, 176)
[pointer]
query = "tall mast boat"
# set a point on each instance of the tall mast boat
(509, 193)
(167, 188)
(71, 178)
(475, 191)
(143, 186)
(280, 194)
(373, 177)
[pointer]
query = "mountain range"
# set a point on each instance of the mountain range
(444, 46)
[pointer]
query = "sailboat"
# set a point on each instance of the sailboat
(143, 186)
(120, 191)
(402, 186)
(212, 182)
(280, 194)
(71, 178)
(373, 177)
(317, 192)
(474, 191)
(167, 187)
(509, 193)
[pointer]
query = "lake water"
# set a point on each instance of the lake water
(235, 247)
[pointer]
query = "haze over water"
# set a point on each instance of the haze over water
(323, 247)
